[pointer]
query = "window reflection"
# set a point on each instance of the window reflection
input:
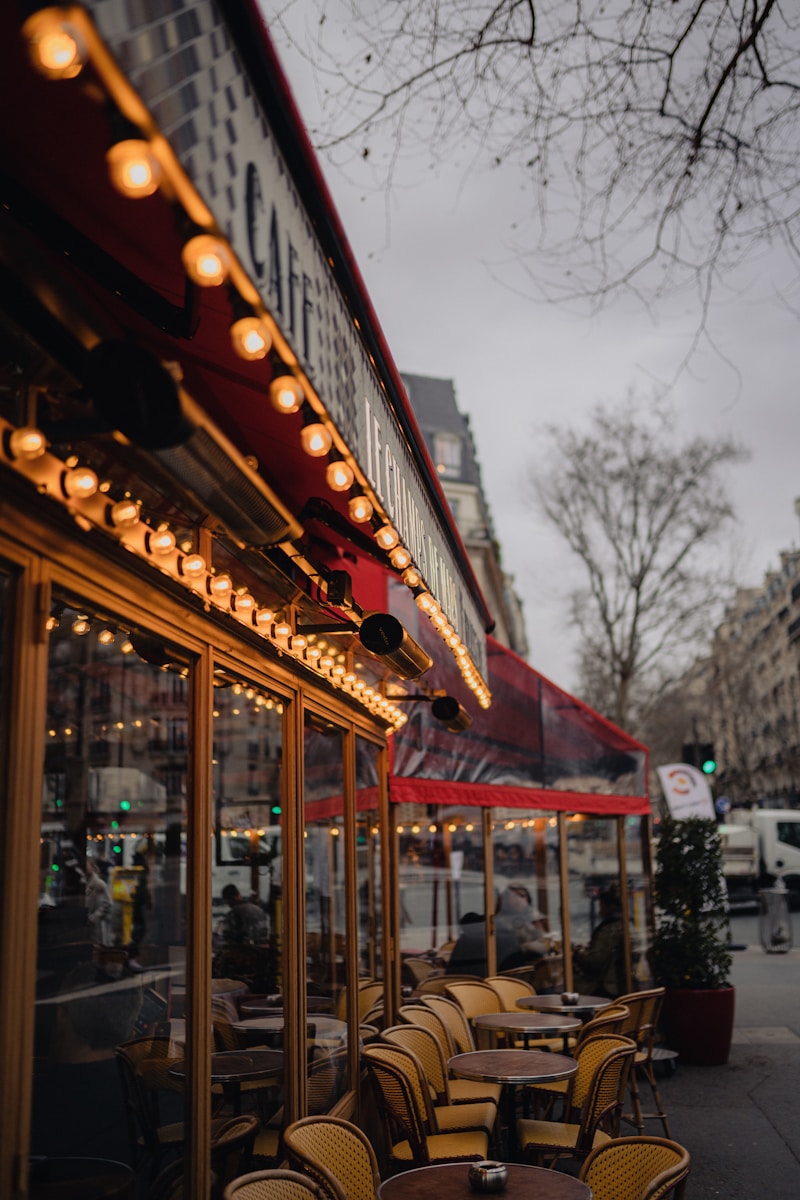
(112, 876)
(597, 936)
(368, 861)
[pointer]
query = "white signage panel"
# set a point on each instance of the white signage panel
(686, 791)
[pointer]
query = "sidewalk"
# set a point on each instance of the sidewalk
(741, 1122)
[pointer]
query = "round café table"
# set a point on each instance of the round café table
(511, 1068)
(585, 1006)
(450, 1181)
(261, 1008)
(232, 1068)
(528, 1024)
(79, 1179)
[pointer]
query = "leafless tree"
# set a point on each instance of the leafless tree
(659, 139)
(645, 516)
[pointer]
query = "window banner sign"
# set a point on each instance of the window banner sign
(686, 791)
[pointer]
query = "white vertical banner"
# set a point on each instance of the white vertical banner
(686, 791)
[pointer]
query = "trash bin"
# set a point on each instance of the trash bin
(774, 921)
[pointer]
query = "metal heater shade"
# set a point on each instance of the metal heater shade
(452, 715)
(383, 635)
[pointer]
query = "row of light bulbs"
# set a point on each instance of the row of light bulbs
(59, 51)
(26, 451)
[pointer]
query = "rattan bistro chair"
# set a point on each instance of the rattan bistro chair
(477, 1114)
(275, 1185)
(474, 999)
(642, 1025)
(334, 1154)
(460, 1091)
(598, 1087)
(408, 1119)
(510, 990)
(637, 1168)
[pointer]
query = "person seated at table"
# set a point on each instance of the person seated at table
(518, 928)
(468, 956)
(78, 1103)
(599, 967)
(246, 921)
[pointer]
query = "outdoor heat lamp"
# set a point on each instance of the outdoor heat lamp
(383, 635)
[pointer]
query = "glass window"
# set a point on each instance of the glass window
(527, 896)
(447, 454)
(112, 886)
(368, 861)
(594, 892)
(326, 929)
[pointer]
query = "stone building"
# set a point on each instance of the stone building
(449, 439)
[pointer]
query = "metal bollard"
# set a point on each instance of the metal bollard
(774, 920)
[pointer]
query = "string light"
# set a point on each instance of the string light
(159, 541)
(387, 537)
(27, 443)
(133, 169)
(286, 394)
(79, 483)
(192, 566)
(400, 557)
(360, 509)
(206, 260)
(315, 439)
(339, 476)
(56, 48)
(250, 338)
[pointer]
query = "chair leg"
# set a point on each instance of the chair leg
(650, 1075)
(637, 1117)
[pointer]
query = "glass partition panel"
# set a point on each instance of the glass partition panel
(112, 883)
(527, 895)
(594, 892)
(326, 930)
(640, 899)
(247, 873)
(440, 855)
(368, 861)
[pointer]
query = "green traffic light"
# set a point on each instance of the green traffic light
(709, 767)
(276, 808)
(124, 805)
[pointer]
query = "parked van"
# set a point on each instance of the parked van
(758, 845)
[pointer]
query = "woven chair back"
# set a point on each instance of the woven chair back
(274, 1185)
(636, 1168)
(333, 1151)
(475, 998)
(453, 1017)
(603, 1102)
(422, 1043)
(422, 1014)
(399, 1101)
(510, 990)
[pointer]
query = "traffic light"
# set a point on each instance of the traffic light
(700, 755)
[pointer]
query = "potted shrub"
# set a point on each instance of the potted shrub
(691, 957)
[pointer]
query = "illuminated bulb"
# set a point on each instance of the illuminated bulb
(250, 337)
(446, 631)
(453, 640)
(438, 619)
(26, 442)
(338, 476)
(286, 394)
(338, 671)
(125, 514)
(412, 577)
(349, 677)
(400, 558)
(359, 508)
(243, 603)
(160, 541)
(220, 586)
(126, 647)
(105, 637)
(283, 629)
(79, 483)
(298, 642)
(263, 618)
(387, 537)
(315, 440)
(313, 653)
(192, 566)
(206, 259)
(369, 692)
(326, 662)
(56, 47)
(80, 626)
(132, 168)
(426, 603)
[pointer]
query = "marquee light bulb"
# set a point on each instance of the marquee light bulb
(26, 442)
(160, 541)
(412, 577)
(220, 586)
(56, 47)
(250, 338)
(125, 514)
(339, 476)
(387, 537)
(360, 509)
(133, 169)
(192, 566)
(400, 558)
(79, 483)
(263, 618)
(286, 394)
(315, 439)
(206, 260)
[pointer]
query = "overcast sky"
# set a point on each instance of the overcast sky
(519, 365)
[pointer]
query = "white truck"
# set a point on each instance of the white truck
(758, 845)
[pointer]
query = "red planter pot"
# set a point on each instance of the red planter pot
(698, 1023)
